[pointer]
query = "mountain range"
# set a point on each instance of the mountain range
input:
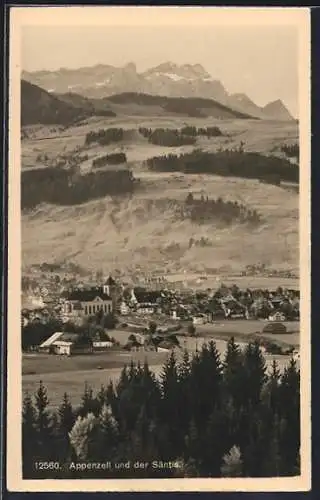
(167, 79)
(41, 107)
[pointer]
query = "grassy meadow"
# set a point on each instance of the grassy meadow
(109, 233)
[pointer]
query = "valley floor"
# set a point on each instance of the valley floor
(69, 374)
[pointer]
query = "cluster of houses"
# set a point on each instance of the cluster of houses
(208, 306)
(112, 298)
(200, 307)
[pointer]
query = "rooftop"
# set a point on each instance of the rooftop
(87, 295)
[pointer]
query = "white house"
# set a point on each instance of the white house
(67, 344)
(102, 345)
(146, 302)
(277, 316)
(124, 309)
(200, 319)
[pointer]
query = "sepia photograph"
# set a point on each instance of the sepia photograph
(158, 280)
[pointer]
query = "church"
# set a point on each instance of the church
(87, 302)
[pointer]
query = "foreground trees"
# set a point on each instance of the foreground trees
(213, 417)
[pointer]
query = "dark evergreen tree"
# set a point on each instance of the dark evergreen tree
(66, 415)
(66, 420)
(44, 423)
(234, 379)
(29, 437)
(215, 443)
(109, 434)
(169, 410)
(101, 397)
(290, 417)
(88, 404)
(254, 373)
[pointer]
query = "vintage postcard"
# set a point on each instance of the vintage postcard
(159, 249)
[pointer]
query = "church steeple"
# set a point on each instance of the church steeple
(109, 286)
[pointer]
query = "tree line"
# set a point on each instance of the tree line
(177, 137)
(229, 164)
(166, 137)
(203, 209)
(111, 159)
(104, 136)
(217, 418)
(62, 187)
(190, 106)
(206, 131)
(292, 151)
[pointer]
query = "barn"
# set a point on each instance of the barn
(67, 343)
(275, 328)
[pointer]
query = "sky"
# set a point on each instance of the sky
(260, 61)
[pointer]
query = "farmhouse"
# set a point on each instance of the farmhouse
(87, 302)
(235, 309)
(102, 345)
(145, 302)
(199, 319)
(277, 316)
(67, 343)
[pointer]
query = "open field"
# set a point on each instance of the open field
(73, 382)
(123, 233)
(70, 374)
(261, 136)
(60, 373)
(251, 329)
(241, 330)
(214, 281)
(38, 364)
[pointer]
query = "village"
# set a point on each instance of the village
(84, 318)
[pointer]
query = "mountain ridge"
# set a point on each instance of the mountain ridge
(166, 79)
(40, 106)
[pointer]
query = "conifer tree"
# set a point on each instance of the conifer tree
(108, 434)
(216, 442)
(290, 416)
(192, 444)
(205, 382)
(140, 437)
(184, 402)
(271, 459)
(232, 463)
(88, 402)
(111, 399)
(169, 410)
(29, 436)
(233, 373)
(101, 397)
(66, 415)
(44, 423)
(254, 373)
(66, 419)
(150, 392)
(84, 438)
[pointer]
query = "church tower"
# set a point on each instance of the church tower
(111, 289)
